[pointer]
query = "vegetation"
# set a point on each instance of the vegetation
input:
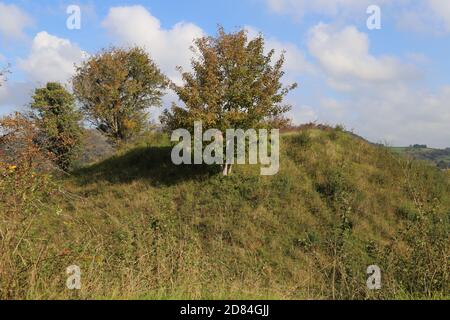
(24, 187)
(140, 227)
(234, 85)
(438, 157)
(116, 87)
(55, 114)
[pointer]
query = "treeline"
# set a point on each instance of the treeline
(234, 83)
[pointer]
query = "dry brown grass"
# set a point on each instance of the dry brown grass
(141, 228)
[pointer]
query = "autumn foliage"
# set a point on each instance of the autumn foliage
(116, 87)
(234, 84)
(22, 144)
(25, 184)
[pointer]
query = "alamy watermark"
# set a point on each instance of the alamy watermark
(374, 280)
(73, 22)
(229, 150)
(374, 19)
(74, 280)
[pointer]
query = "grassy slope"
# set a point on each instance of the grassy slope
(140, 227)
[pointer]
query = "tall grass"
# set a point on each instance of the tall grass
(142, 228)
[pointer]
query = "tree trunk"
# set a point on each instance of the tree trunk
(225, 169)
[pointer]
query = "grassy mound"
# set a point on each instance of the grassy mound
(140, 227)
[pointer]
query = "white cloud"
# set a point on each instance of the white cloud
(303, 114)
(134, 25)
(380, 97)
(296, 63)
(343, 55)
(417, 20)
(426, 16)
(400, 115)
(14, 96)
(442, 9)
(430, 16)
(13, 21)
(51, 59)
(330, 8)
(403, 115)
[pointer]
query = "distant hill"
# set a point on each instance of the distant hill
(438, 157)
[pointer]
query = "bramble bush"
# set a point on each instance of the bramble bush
(25, 183)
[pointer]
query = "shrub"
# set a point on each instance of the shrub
(25, 184)
(55, 114)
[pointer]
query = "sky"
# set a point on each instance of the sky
(389, 84)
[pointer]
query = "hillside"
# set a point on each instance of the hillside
(438, 157)
(140, 227)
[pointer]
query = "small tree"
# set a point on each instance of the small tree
(18, 147)
(115, 89)
(234, 85)
(55, 115)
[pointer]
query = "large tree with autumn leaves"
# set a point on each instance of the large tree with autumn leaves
(116, 87)
(234, 84)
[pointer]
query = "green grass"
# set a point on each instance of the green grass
(141, 228)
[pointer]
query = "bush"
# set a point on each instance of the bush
(417, 260)
(303, 139)
(25, 184)
(56, 116)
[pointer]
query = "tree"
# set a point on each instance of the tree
(56, 116)
(116, 87)
(234, 85)
(18, 147)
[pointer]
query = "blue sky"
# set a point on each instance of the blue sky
(389, 85)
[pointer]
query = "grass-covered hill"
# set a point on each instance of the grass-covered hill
(140, 227)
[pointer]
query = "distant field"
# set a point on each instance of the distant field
(439, 157)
